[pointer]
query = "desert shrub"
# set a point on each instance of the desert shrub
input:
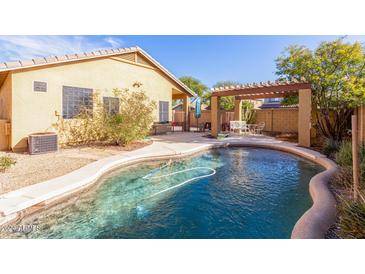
(86, 128)
(344, 155)
(352, 218)
(6, 162)
(344, 158)
(330, 147)
(132, 122)
(343, 178)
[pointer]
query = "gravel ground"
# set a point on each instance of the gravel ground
(32, 169)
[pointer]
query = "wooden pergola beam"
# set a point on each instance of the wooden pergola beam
(257, 91)
(263, 96)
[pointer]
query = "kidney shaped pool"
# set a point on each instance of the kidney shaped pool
(222, 193)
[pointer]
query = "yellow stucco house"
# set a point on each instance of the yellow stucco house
(35, 93)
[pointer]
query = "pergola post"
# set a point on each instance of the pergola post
(237, 109)
(214, 115)
(186, 113)
(304, 117)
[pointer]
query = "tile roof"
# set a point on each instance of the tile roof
(7, 66)
(37, 62)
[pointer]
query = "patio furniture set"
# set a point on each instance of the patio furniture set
(247, 129)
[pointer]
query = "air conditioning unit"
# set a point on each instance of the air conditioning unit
(42, 142)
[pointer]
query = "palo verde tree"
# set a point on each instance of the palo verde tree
(336, 71)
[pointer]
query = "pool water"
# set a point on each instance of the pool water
(255, 193)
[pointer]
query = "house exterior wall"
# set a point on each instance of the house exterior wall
(36, 111)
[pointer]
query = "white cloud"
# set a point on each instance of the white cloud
(27, 47)
(115, 43)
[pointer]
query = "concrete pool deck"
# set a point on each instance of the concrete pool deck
(313, 224)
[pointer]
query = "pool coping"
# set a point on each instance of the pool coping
(313, 224)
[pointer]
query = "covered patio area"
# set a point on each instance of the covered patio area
(263, 90)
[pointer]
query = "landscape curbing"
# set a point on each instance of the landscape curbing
(313, 224)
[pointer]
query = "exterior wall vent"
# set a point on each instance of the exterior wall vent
(42, 142)
(40, 86)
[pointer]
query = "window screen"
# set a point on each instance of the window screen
(111, 105)
(74, 100)
(164, 111)
(40, 86)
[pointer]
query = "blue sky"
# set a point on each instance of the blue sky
(208, 58)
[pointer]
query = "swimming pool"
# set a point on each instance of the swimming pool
(240, 193)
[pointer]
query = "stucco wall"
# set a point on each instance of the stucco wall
(279, 120)
(35, 111)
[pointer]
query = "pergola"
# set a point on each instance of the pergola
(266, 90)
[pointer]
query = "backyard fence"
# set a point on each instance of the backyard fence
(205, 117)
(283, 120)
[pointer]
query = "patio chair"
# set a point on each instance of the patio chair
(234, 125)
(259, 128)
(244, 127)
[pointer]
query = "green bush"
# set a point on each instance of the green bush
(344, 154)
(134, 120)
(344, 158)
(352, 219)
(6, 162)
(330, 147)
(131, 123)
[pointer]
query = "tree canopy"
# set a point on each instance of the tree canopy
(226, 102)
(336, 71)
(195, 85)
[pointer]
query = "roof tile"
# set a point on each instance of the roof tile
(3, 66)
(14, 64)
(26, 63)
(97, 53)
(81, 55)
(71, 56)
(90, 54)
(61, 57)
(109, 51)
(51, 59)
(38, 61)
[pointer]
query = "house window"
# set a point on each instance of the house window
(40, 86)
(74, 100)
(111, 105)
(164, 111)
